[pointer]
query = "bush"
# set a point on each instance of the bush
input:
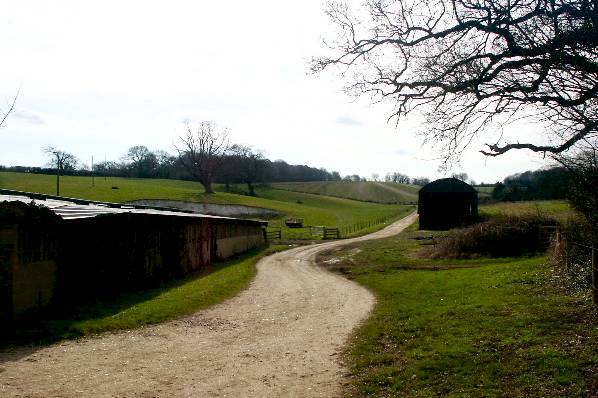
(500, 236)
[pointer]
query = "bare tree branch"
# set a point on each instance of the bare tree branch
(11, 107)
(474, 65)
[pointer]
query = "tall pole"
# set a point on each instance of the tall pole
(57, 176)
(93, 182)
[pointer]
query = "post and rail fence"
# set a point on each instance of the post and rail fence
(324, 232)
(274, 233)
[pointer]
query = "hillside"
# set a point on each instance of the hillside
(376, 192)
(314, 209)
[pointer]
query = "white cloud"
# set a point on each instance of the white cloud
(348, 120)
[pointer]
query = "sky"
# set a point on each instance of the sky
(97, 77)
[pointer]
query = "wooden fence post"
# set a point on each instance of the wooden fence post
(594, 276)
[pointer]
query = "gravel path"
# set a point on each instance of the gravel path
(279, 337)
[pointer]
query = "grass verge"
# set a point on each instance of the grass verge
(132, 310)
(466, 328)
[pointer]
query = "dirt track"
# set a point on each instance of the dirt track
(280, 337)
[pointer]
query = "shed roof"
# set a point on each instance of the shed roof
(447, 185)
(71, 208)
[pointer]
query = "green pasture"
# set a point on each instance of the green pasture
(364, 191)
(558, 209)
(314, 209)
(466, 328)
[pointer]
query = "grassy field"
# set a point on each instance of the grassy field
(558, 209)
(466, 328)
(314, 209)
(132, 310)
(364, 191)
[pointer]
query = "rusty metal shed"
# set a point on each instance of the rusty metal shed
(447, 203)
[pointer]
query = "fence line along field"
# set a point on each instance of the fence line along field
(313, 209)
(366, 191)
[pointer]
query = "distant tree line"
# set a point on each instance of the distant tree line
(160, 164)
(401, 178)
(546, 184)
(204, 155)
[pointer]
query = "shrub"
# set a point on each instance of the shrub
(500, 236)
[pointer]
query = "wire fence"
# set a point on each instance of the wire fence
(363, 225)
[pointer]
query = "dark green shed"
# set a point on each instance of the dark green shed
(447, 203)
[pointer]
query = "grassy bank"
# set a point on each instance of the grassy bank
(314, 209)
(466, 328)
(175, 299)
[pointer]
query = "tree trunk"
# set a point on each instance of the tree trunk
(207, 186)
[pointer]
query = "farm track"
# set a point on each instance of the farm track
(280, 337)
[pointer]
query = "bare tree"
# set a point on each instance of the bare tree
(10, 106)
(375, 177)
(137, 155)
(473, 66)
(399, 178)
(61, 161)
(143, 162)
(421, 181)
(250, 165)
(202, 151)
(460, 176)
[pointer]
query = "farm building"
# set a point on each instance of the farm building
(447, 203)
(54, 250)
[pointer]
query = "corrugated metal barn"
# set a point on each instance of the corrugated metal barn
(53, 250)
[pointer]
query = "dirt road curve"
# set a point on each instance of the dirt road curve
(280, 337)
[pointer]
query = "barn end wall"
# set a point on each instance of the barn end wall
(24, 285)
(27, 258)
